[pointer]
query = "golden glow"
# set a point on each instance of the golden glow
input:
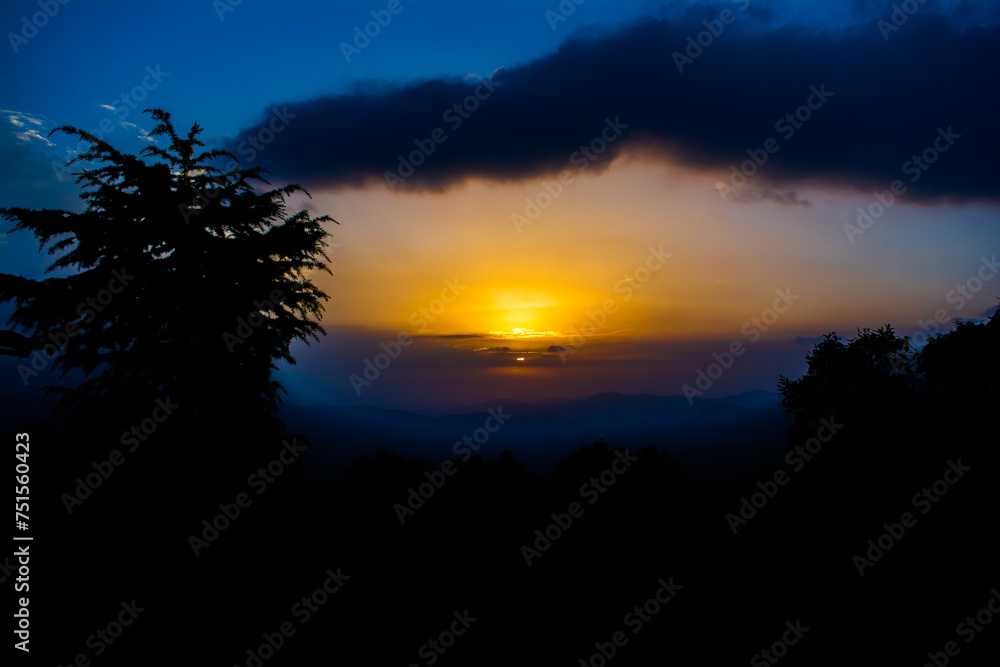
(520, 333)
(535, 284)
(518, 308)
(520, 358)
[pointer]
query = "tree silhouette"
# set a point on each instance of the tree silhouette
(869, 377)
(856, 380)
(182, 279)
(963, 364)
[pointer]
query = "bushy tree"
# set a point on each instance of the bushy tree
(963, 364)
(854, 380)
(182, 279)
(878, 380)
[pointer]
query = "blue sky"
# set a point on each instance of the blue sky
(223, 71)
(226, 65)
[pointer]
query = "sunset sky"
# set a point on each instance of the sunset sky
(583, 193)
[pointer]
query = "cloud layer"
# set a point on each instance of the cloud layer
(878, 97)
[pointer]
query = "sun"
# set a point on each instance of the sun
(517, 312)
(528, 310)
(520, 333)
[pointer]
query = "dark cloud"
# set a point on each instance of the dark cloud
(889, 97)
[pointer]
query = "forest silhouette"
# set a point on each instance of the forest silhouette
(205, 521)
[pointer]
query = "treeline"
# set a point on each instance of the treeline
(872, 544)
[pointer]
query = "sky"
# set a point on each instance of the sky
(545, 199)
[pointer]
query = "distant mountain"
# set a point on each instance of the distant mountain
(716, 440)
(523, 407)
(616, 406)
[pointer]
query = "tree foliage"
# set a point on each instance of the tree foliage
(165, 283)
(878, 376)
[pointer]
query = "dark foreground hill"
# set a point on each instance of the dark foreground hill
(873, 549)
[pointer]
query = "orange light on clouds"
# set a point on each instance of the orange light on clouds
(520, 334)
(539, 282)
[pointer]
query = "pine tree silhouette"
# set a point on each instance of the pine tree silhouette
(186, 280)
